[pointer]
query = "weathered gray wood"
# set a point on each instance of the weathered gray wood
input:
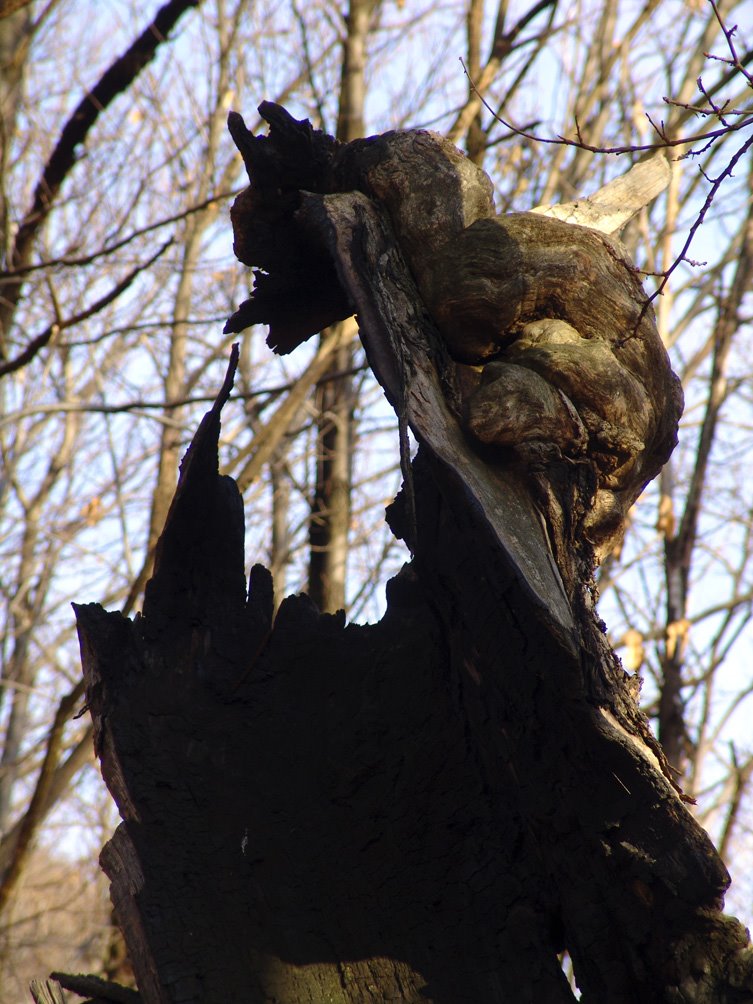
(46, 992)
(613, 206)
(103, 991)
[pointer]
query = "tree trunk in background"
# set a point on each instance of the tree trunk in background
(331, 502)
(280, 543)
(475, 142)
(330, 507)
(680, 548)
(15, 36)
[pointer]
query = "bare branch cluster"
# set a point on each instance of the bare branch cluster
(116, 174)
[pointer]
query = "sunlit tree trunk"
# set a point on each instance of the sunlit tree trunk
(335, 402)
(680, 547)
(280, 543)
(177, 374)
(15, 32)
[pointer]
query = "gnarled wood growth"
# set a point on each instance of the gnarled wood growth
(434, 807)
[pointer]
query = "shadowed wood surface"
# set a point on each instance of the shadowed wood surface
(431, 808)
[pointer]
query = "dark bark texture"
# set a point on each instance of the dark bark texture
(435, 807)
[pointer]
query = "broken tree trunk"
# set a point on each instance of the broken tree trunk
(435, 807)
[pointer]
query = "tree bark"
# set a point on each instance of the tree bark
(329, 526)
(116, 79)
(436, 806)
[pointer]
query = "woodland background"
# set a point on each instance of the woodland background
(116, 177)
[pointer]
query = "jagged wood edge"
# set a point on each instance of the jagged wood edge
(402, 348)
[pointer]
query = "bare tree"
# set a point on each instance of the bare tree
(119, 276)
(331, 504)
(438, 805)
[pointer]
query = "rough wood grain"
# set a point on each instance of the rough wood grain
(613, 206)
(429, 808)
(46, 992)
(433, 807)
(314, 829)
(406, 355)
(494, 287)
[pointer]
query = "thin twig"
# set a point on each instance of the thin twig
(37, 343)
(715, 185)
(89, 259)
(665, 141)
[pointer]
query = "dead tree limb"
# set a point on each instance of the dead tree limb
(434, 807)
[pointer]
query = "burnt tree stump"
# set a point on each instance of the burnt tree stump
(435, 807)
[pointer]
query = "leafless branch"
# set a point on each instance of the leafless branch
(69, 261)
(742, 773)
(665, 141)
(43, 338)
(34, 813)
(113, 82)
(138, 405)
(729, 34)
(715, 184)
